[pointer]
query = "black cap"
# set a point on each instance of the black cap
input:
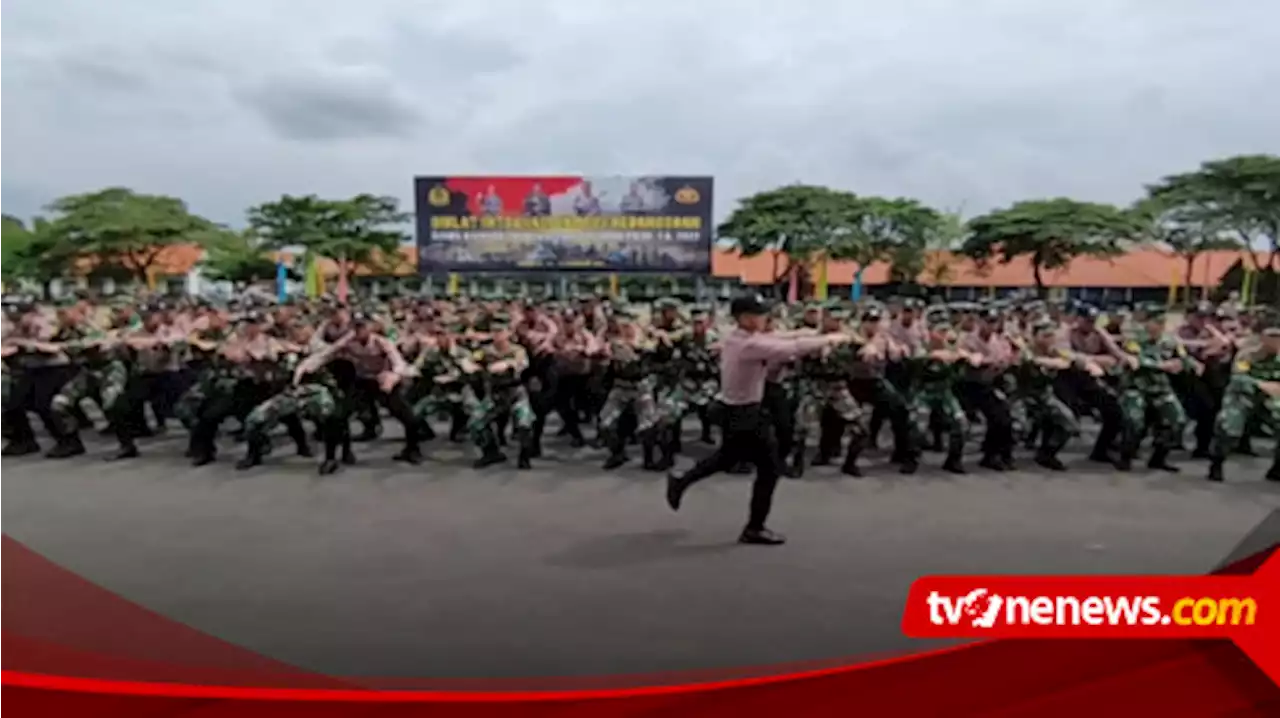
(1088, 311)
(872, 314)
(360, 318)
(989, 314)
(750, 304)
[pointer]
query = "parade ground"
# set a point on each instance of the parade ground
(391, 570)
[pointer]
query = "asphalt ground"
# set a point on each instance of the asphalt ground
(565, 570)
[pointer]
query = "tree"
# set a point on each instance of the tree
(237, 257)
(799, 222)
(1238, 195)
(36, 253)
(364, 230)
(1177, 219)
(117, 226)
(1049, 233)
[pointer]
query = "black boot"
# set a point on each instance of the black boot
(850, 465)
(257, 448)
(457, 427)
(991, 461)
(370, 431)
(649, 445)
(668, 448)
(328, 467)
(489, 446)
(1160, 460)
(127, 451)
(299, 435)
(21, 447)
(348, 456)
(1273, 474)
(954, 462)
(67, 446)
(1049, 461)
(796, 460)
(526, 454)
(410, 454)
(617, 451)
(1215, 470)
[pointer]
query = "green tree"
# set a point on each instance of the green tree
(365, 230)
(1181, 222)
(117, 226)
(1049, 233)
(35, 253)
(1241, 194)
(799, 222)
(237, 257)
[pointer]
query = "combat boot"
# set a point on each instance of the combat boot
(850, 465)
(1160, 460)
(257, 448)
(617, 451)
(649, 446)
(66, 447)
(954, 462)
(1215, 469)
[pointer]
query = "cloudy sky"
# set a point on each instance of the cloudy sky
(967, 104)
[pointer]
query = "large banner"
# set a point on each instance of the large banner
(614, 224)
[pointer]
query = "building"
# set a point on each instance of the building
(1144, 274)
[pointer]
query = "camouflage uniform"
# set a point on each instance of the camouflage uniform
(1035, 408)
(442, 380)
(1147, 393)
(315, 401)
(934, 402)
(699, 376)
(1244, 402)
(632, 388)
(94, 361)
(822, 386)
(215, 377)
(495, 396)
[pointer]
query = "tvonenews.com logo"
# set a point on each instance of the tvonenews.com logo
(981, 608)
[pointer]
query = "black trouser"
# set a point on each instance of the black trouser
(1096, 394)
(369, 394)
(33, 391)
(746, 439)
(542, 373)
(869, 390)
(781, 411)
(998, 439)
(1202, 398)
(127, 416)
(572, 401)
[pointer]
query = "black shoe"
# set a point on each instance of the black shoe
(1123, 463)
(489, 459)
(1215, 472)
(954, 466)
(20, 448)
(761, 537)
(348, 457)
(327, 467)
(1102, 457)
(409, 455)
(125, 452)
(676, 486)
(615, 460)
(1200, 453)
(249, 461)
(1163, 465)
(203, 459)
(1052, 463)
(850, 468)
(992, 462)
(908, 467)
(66, 449)
(522, 462)
(1273, 474)
(305, 451)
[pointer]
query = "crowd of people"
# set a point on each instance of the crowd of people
(1021, 375)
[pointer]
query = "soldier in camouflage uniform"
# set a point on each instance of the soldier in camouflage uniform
(700, 368)
(1035, 405)
(213, 372)
(632, 386)
(314, 400)
(1253, 394)
(932, 372)
(439, 365)
(825, 400)
(496, 391)
(102, 375)
(1148, 395)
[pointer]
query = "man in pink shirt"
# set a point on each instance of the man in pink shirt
(746, 356)
(982, 390)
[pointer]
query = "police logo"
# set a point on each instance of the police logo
(439, 196)
(687, 195)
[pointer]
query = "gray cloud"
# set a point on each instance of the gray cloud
(975, 104)
(331, 108)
